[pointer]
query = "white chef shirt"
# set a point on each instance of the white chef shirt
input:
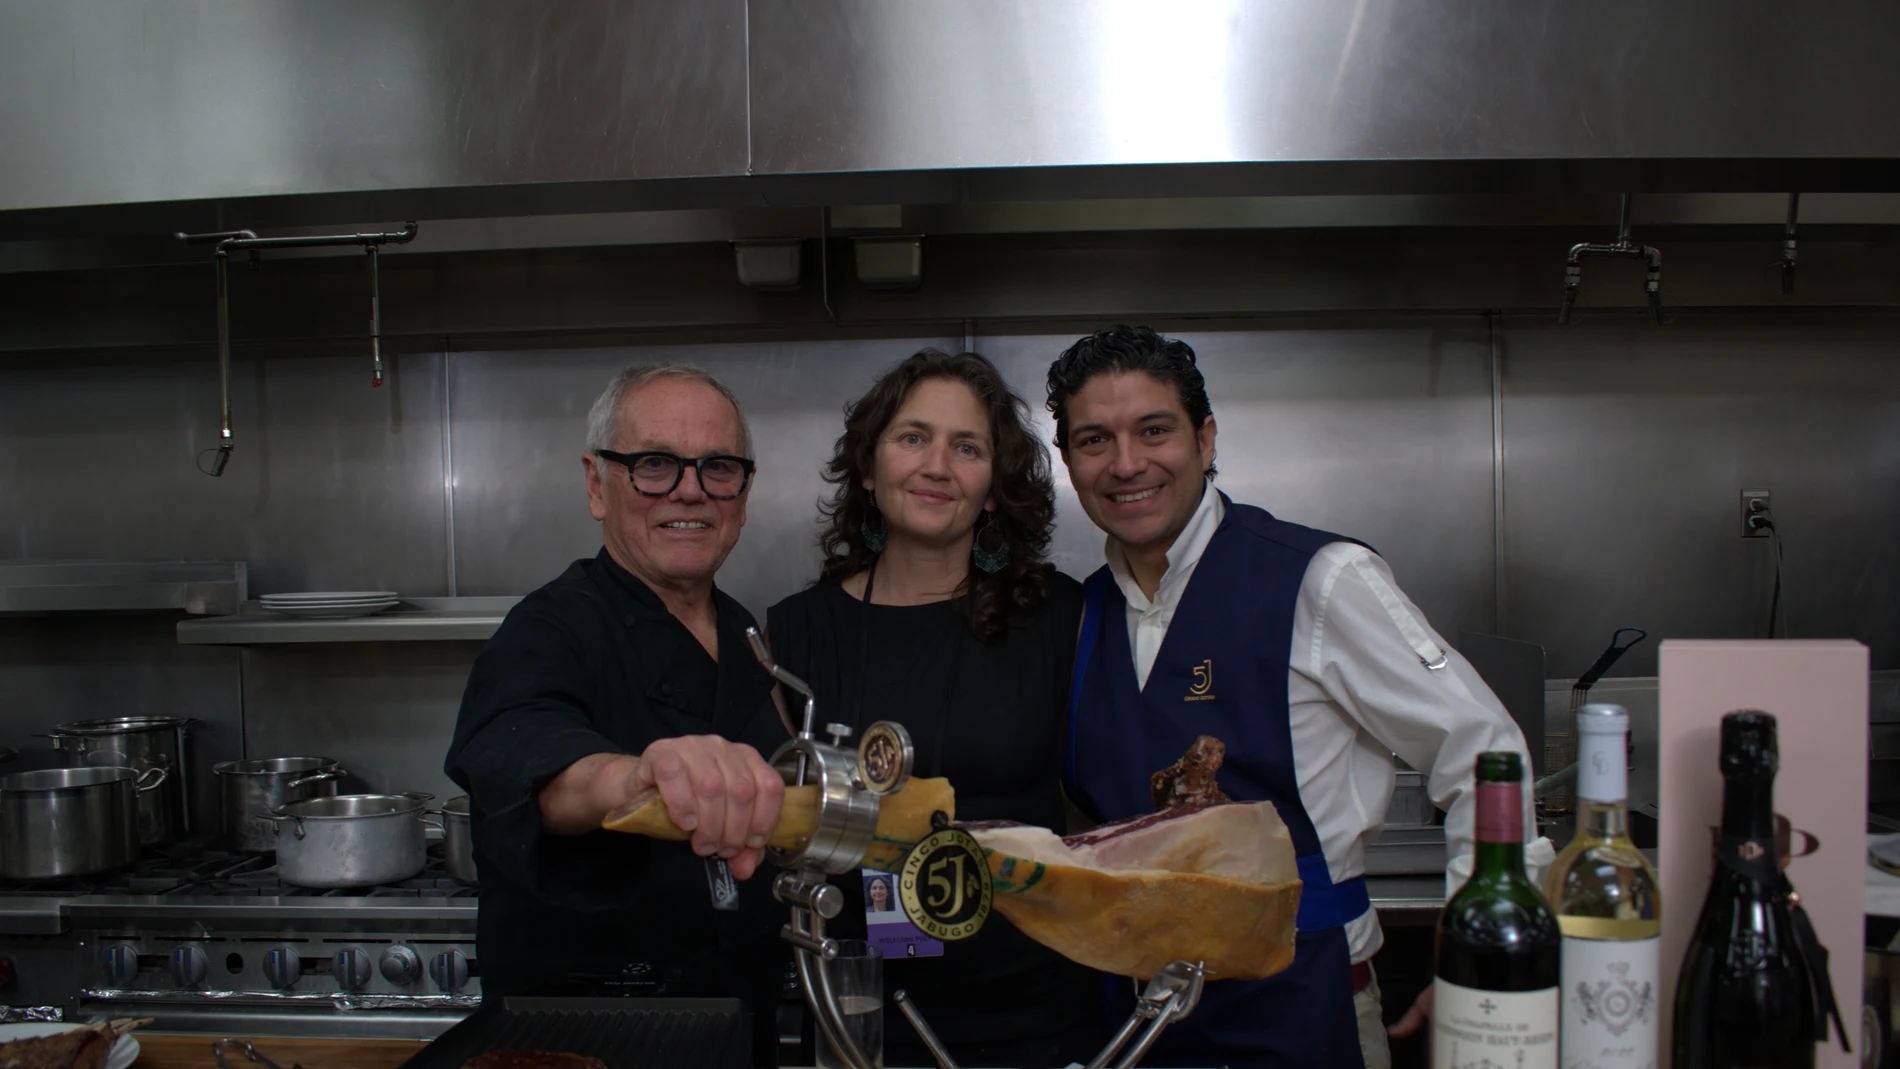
(1358, 691)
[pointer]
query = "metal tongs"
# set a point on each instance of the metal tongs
(245, 1048)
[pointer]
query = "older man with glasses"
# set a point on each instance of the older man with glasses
(630, 673)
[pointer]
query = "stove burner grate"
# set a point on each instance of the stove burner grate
(199, 868)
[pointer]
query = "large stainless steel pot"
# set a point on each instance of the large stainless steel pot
(458, 841)
(253, 789)
(60, 822)
(139, 743)
(351, 840)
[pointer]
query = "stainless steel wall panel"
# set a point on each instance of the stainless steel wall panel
(1382, 433)
(1627, 446)
(386, 711)
(333, 485)
(867, 86)
(520, 428)
(201, 100)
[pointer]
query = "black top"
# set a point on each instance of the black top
(590, 663)
(992, 718)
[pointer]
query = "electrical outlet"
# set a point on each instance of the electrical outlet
(1755, 503)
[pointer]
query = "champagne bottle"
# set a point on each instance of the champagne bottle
(1744, 998)
(1495, 994)
(1605, 895)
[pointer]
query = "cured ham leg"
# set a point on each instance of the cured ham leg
(1215, 884)
(1203, 880)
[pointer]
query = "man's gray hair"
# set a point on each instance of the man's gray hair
(600, 418)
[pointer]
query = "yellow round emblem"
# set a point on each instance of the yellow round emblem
(944, 885)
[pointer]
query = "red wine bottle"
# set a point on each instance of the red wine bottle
(1744, 998)
(1495, 996)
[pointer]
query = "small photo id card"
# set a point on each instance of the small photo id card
(885, 925)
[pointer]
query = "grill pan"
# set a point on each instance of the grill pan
(625, 1033)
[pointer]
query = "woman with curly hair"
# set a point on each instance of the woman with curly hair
(935, 608)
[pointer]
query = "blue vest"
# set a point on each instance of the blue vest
(1222, 671)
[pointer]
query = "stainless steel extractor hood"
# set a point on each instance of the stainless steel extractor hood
(125, 118)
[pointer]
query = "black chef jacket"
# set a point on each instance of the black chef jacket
(590, 663)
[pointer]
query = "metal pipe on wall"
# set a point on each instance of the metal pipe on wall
(246, 240)
(222, 266)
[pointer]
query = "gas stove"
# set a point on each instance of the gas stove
(204, 939)
(204, 870)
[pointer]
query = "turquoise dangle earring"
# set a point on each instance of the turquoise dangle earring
(875, 537)
(990, 558)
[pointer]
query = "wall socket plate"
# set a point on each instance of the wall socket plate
(1754, 503)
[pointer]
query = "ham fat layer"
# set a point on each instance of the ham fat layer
(1245, 841)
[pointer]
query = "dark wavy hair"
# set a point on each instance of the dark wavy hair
(1019, 481)
(1125, 348)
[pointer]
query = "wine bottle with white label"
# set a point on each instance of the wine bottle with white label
(1495, 994)
(1607, 902)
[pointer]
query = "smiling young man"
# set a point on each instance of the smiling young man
(1294, 647)
(630, 672)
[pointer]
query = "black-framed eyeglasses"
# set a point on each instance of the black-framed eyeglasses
(656, 474)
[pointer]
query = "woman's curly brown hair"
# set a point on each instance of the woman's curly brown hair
(1019, 483)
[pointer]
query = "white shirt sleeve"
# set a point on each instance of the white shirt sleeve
(1368, 652)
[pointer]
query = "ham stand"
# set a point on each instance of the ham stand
(846, 821)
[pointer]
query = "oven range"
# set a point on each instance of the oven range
(210, 941)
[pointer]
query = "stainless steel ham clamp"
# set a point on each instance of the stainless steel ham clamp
(852, 784)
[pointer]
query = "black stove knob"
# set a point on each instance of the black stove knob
(189, 966)
(449, 970)
(283, 968)
(121, 961)
(352, 969)
(400, 966)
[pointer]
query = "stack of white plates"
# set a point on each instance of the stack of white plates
(330, 604)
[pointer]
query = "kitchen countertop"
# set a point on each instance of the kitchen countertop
(1406, 893)
(159, 1050)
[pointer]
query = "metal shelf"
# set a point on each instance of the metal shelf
(414, 620)
(193, 586)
